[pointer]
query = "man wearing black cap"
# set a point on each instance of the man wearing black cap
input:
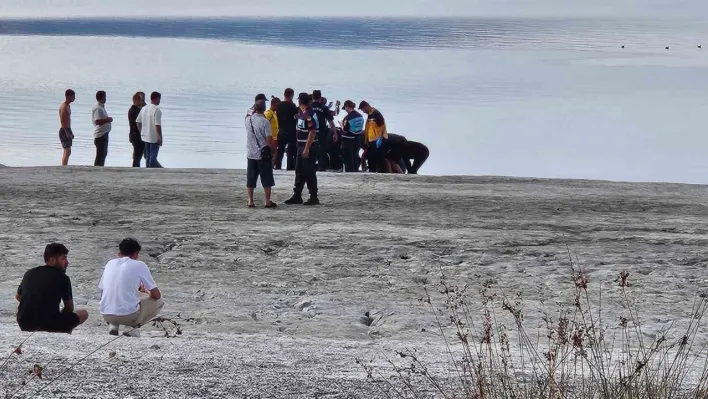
(352, 135)
(376, 134)
(307, 149)
(324, 135)
(259, 98)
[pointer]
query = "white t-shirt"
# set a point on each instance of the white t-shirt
(150, 117)
(120, 282)
(99, 112)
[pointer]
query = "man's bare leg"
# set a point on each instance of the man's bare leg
(250, 197)
(267, 195)
(65, 157)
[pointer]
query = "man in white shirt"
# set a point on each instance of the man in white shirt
(101, 128)
(129, 295)
(150, 125)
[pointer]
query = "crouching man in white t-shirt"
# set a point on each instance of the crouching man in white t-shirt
(129, 294)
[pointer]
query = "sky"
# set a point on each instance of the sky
(696, 9)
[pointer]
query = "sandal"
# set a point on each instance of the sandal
(272, 205)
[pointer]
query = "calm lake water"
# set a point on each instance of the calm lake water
(502, 96)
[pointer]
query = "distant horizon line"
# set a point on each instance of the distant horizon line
(11, 18)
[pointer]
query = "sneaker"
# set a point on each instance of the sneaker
(113, 329)
(312, 201)
(135, 333)
(294, 200)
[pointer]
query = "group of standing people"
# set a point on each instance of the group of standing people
(306, 137)
(145, 122)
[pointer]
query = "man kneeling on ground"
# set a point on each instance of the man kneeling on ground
(129, 295)
(41, 292)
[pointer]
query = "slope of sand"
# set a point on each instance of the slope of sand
(275, 298)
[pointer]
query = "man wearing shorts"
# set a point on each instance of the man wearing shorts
(66, 136)
(41, 292)
(258, 136)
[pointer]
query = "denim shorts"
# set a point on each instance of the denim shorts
(264, 169)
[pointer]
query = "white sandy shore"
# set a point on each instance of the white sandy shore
(277, 296)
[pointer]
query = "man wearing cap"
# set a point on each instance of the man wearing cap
(376, 134)
(307, 149)
(352, 136)
(324, 135)
(259, 98)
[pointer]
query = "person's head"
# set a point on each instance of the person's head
(349, 106)
(261, 98)
(70, 96)
(138, 100)
(274, 101)
(317, 95)
(259, 107)
(303, 99)
(55, 255)
(289, 94)
(129, 248)
(364, 106)
(324, 100)
(155, 98)
(101, 96)
(142, 97)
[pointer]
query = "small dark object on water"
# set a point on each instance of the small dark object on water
(667, 47)
(622, 46)
(405, 257)
(700, 46)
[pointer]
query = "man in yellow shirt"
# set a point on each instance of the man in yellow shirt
(375, 135)
(271, 116)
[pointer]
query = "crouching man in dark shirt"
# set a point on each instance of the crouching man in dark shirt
(41, 292)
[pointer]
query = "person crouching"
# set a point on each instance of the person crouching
(129, 295)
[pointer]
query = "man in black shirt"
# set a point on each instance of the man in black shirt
(287, 119)
(326, 137)
(41, 292)
(416, 151)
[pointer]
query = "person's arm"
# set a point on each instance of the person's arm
(18, 294)
(312, 128)
(148, 283)
(67, 297)
(269, 136)
(158, 126)
(138, 121)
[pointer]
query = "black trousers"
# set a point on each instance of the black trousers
(138, 150)
(350, 152)
(101, 144)
(306, 171)
(325, 138)
(287, 149)
(419, 158)
(375, 158)
(335, 152)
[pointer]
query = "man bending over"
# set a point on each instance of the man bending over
(41, 292)
(129, 294)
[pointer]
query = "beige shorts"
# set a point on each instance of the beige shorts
(149, 308)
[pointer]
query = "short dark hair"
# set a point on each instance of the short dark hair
(259, 107)
(100, 95)
(363, 104)
(349, 103)
(274, 100)
(303, 98)
(316, 94)
(155, 96)
(69, 93)
(289, 93)
(260, 97)
(129, 247)
(54, 249)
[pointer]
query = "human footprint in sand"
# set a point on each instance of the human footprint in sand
(129, 295)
